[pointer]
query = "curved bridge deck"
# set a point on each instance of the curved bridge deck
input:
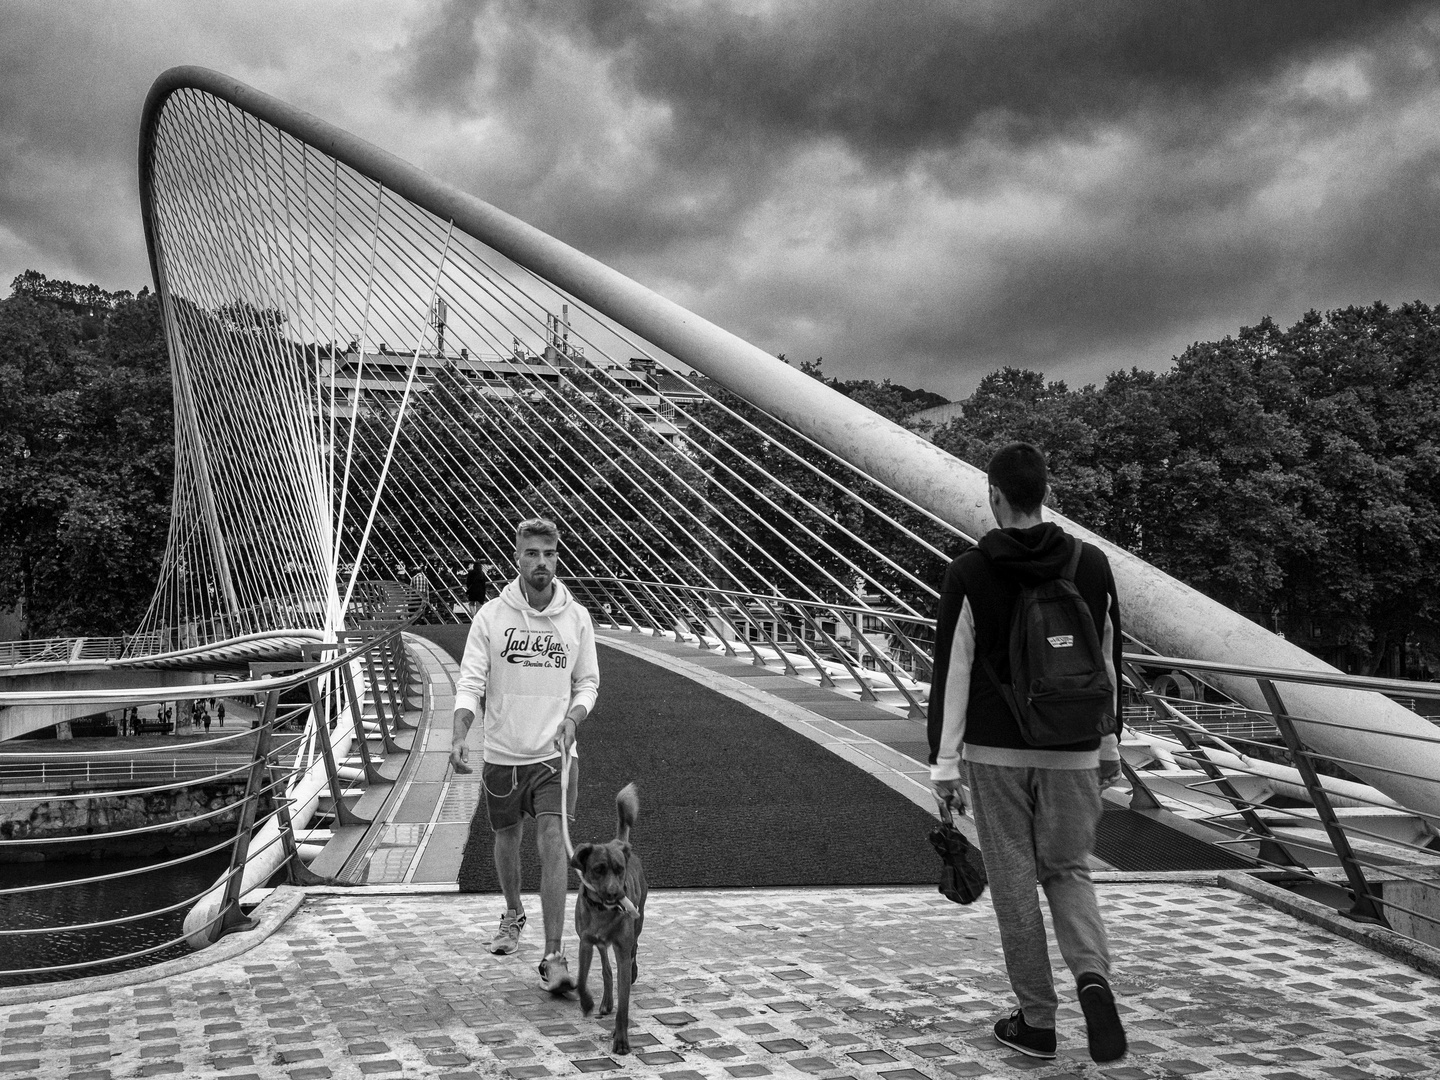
(894, 983)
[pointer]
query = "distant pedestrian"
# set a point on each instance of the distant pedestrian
(220, 712)
(205, 718)
(1036, 799)
(477, 587)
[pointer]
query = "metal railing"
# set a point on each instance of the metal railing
(381, 600)
(1306, 810)
(872, 651)
(37, 773)
(268, 774)
(1300, 832)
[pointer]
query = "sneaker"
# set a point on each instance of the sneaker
(1015, 1033)
(1102, 1021)
(507, 938)
(555, 974)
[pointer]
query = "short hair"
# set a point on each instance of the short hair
(1018, 470)
(536, 527)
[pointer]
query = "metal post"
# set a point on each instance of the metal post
(373, 774)
(825, 680)
(774, 639)
(296, 872)
(393, 674)
(743, 636)
(1271, 850)
(231, 917)
(1367, 904)
(343, 814)
(373, 691)
(911, 647)
(916, 711)
(866, 693)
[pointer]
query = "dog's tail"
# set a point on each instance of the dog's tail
(627, 809)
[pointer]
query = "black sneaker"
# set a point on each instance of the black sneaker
(1102, 1021)
(1015, 1033)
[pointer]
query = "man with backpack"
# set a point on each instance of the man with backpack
(1026, 693)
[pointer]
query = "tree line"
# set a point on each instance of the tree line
(1291, 473)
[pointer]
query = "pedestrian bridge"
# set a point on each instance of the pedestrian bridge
(377, 374)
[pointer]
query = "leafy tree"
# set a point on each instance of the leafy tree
(1293, 474)
(85, 456)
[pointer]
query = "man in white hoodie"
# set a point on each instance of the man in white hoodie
(530, 670)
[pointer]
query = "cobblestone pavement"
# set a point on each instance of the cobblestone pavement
(896, 984)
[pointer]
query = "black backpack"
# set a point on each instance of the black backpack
(1059, 690)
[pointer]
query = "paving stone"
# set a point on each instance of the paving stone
(861, 998)
(722, 1052)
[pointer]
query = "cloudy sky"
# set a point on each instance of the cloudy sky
(920, 189)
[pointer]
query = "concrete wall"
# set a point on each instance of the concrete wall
(16, 720)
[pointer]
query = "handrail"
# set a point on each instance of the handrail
(185, 693)
(1389, 687)
(267, 781)
(742, 613)
(87, 647)
(852, 609)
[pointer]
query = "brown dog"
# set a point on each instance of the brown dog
(610, 911)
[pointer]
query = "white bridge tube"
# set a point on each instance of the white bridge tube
(1166, 614)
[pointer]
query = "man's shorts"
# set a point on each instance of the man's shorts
(515, 792)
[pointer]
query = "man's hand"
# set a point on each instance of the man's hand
(1110, 773)
(948, 792)
(565, 737)
(459, 752)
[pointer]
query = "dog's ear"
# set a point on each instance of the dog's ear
(582, 856)
(625, 850)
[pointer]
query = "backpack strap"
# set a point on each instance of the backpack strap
(1007, 694)
(1074, 563)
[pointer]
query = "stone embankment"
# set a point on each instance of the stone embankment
(97, 821)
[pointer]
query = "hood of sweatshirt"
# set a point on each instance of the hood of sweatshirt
(1031, 555)
(513, 595)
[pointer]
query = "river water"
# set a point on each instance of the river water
(104, 900)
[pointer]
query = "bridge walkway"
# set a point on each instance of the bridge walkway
(1217, 977)
(422, 824)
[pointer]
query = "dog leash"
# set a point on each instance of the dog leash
(626, 904)
(565, 799)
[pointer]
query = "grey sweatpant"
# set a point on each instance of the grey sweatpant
(1039, 825)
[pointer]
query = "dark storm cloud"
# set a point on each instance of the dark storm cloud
(922, 189)
(979, 101)
(893, 78)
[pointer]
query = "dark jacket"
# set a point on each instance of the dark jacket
(476, 586)
(977, 602)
